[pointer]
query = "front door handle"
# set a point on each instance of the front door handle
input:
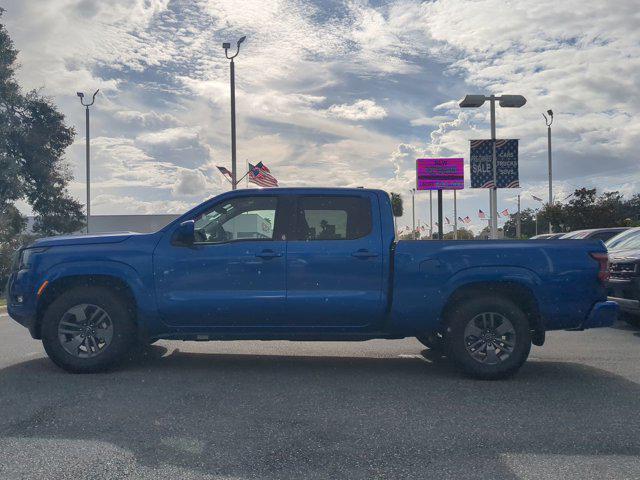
(364, 253)
(267, 254)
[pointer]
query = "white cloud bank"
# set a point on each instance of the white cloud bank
(360, 110)
(341, 93)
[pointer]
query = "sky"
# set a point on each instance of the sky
(334, 93)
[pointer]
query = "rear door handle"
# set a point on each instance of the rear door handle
(267, 254)
(364, 253)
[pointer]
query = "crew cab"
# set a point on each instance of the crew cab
(304, 264)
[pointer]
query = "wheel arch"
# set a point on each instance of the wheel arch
(59, 282)
(514, 291)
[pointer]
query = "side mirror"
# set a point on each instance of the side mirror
(184, 235)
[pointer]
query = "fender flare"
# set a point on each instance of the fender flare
(142, 294)
(486, 275)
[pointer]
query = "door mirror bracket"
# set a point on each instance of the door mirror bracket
(184, 235)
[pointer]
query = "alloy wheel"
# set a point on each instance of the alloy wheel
(489, 338)
(85, 330)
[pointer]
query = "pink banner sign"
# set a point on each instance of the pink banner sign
(440, 173)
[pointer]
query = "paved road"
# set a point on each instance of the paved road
(273, 410)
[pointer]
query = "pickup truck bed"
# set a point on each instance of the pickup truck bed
(312, 264)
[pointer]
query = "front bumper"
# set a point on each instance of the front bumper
(627, 305)
(603, 314)
(23, 312)
(23, 317)
(626, 293)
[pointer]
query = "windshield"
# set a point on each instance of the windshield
(575, 235)
(629, 240)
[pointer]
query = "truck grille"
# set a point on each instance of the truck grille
(622, 270)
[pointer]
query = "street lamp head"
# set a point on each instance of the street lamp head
(472, 101)
(242, 39)
(226, 45)
(512, 101)
(550, 112)
(80, 94)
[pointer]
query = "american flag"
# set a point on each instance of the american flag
(447, 220)
(466, 219)
(505, 212)
(460, 219)
(260, 175)
(481, 214)
(536, 198)
(225, 171)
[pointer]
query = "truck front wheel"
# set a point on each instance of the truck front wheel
(488, 338)
(88, 329)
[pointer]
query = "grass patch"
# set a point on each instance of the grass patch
(3, 302)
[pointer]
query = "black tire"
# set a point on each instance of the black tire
(432, 341)
(631, 318)
(459, 345)
(123, 329)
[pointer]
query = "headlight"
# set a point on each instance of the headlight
(26, 256)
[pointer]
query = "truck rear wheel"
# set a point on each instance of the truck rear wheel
(88, 329)
(488, 338)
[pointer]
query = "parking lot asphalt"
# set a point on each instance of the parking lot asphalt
(280, 410)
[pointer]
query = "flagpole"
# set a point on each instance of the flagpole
(455, 216)
(244, 177)
(430, 214)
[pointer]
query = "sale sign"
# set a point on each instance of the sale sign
(440, 173)
(481, 163)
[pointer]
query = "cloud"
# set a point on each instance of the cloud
(145, 119)
(428, 121)
(360, 110)
(190, 183)
(311, 74)
(130, 204)
(169, 135)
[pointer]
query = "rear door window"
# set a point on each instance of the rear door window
(323, 218)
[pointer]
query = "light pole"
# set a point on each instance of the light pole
(88, 150)
(226, 47)
(413, 210)
(518, 223)
(505, 101)
(548, 121)
(537, 210)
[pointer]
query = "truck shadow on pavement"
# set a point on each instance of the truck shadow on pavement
(203, 415)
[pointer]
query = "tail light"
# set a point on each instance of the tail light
(603, 265)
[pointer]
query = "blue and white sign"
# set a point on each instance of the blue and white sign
(506, 166)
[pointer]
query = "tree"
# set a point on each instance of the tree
(556, 214)
(33, 138)
(527, 224)
(632, 210)
(588, 210)
(484, 234)
(463, 234)
(396, 204)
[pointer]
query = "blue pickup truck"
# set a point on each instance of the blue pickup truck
(304, 264)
